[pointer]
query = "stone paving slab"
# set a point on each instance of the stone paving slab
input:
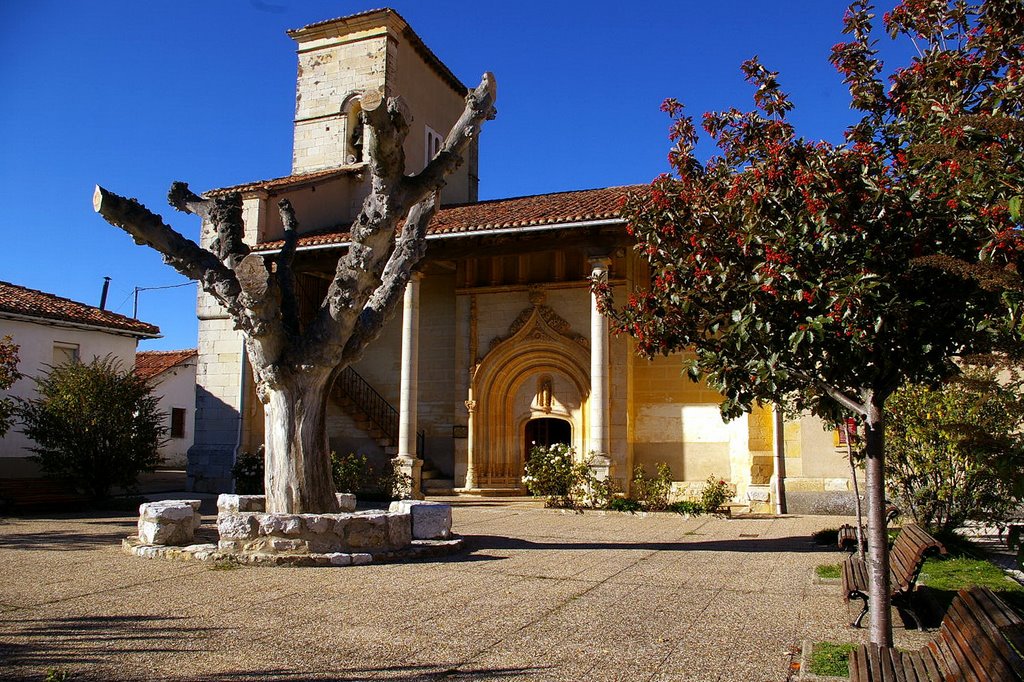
(539, 595)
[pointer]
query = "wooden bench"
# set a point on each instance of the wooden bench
(980, 639)
(911, 547)
(847, 535)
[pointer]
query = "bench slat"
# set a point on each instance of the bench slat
(931, 665)
(968, 643)
(895, 663)
(991, 649)
(859, 664)
(915, 662)
(875, 663)
(945, 654)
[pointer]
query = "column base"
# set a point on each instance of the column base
(601, 465)
(411, 468)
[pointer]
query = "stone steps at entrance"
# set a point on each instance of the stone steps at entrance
(438, 486)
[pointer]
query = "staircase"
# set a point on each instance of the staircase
(376, 417)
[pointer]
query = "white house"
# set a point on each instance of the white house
(172, 374)
(50, 330)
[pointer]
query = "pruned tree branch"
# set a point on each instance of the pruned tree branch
(285, 275)
(224, 214)
(181, 253)
(360, 272)
(479, 108)
(409, 249)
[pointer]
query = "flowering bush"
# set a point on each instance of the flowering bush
(248, 473)
(652, 493)
(715, 494)
(553, 472)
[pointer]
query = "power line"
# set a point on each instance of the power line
(134, 310)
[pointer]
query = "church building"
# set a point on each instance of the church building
(499, 344)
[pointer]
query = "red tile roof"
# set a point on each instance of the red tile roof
(151, 363)
(17, 300)
(286, 182)
(498, 214)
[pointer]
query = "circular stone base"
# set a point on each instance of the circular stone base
(419, 549)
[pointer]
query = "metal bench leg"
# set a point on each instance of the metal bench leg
(863, 612)
(906, 608)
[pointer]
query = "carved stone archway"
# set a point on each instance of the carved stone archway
(539, 369)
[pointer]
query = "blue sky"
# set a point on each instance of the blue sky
(134, 95)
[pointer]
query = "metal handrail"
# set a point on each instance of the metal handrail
(379, 411)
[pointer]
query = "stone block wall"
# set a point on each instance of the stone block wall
(218, 380)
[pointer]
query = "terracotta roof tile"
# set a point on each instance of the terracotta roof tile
(483, 216)
(285, 182)
(151, 363)
(19, 300)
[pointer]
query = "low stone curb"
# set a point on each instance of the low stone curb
(208, 553)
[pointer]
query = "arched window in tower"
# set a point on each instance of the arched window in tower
(353, 130)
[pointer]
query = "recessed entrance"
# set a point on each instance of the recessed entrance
(546, 431)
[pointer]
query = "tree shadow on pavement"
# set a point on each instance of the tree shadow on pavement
(759, 545)
(403, 673)
(61, 540)
(34, 645)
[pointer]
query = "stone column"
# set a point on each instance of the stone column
(409, 463)
(599, 371)
(470, 464)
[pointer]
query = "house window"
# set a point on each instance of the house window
(433, 146)
(177, 422)
(64, 353)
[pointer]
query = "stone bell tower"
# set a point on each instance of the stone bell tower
(376, 50)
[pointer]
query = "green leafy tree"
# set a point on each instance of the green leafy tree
(955, 453)
(8, 375)
(94, 424)
(793, 267)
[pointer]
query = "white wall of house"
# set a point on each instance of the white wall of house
(41, 346)
(176, 389)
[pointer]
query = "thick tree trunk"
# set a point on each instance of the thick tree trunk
(878, 541)
(298, 461)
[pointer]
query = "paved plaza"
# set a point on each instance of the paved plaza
(538, 595)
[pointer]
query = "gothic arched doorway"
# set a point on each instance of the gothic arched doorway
(546, 431)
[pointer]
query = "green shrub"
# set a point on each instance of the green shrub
(8, 375)
(652, 493)
(603, 493)
(714, 494)
(624, 504)
(95, 425)
(953, 454)
(248, 473)
(351, 472)
(686, 507)
(553, 472)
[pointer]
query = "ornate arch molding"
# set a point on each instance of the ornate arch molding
(538, 341)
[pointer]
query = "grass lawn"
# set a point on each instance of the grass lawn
(830, 658)
(828, 571)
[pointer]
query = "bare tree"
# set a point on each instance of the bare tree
(294, 365)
